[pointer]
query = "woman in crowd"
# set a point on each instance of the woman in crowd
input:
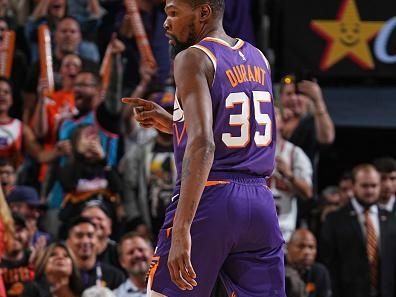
(56, 274)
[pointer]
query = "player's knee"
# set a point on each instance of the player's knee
(152, 293)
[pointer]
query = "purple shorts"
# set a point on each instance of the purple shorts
(235, 235)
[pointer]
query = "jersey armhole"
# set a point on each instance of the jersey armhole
(265, 60)
(211, 57)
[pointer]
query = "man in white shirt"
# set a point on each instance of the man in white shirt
(135, 254)
(387, 169)
(292, 178)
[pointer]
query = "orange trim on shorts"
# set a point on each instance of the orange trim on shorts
(168, 231)
(153, 268)
(211, 183)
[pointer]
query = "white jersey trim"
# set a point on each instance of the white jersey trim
(210, 55)
(265, 60)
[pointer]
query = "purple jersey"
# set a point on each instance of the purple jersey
(243, 112)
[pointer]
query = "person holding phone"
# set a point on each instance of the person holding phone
(307, 122)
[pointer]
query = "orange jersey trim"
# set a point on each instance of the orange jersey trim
(211, 183)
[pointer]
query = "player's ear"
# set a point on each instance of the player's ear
(205, 12)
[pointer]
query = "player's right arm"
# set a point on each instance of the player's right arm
(150, 115)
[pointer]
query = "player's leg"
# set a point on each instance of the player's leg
(255, 274)
(255, 266)
(209, 249)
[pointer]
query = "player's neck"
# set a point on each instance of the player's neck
(217, 32)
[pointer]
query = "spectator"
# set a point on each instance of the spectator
(25, 201)
(15, 137)
(19, 70)
(100, 215)
(389, 265)
(153, 17)
(345, 185)
(91, 109)
(16, 264)
(21, 9)
(149, 174)
(53, 108)
(292, 179)
(82, 240)
(51, 12)
(133, 133)
(301, 127)
(89, 14)
(87, 175)
(351, 239)
(301, 254)
(56, 274)
(105, 115)
(387, 169)
(48, 12)
(135, 257)
(294, 285)
(8, 175)
(7, 13)
(331, 201)
(67, 40)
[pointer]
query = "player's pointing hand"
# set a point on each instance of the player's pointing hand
(149, 114)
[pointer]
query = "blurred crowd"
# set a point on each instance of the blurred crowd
(86, 188)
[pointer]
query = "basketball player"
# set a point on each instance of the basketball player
(222, 219)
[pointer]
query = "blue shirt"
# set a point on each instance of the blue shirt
(129, 289)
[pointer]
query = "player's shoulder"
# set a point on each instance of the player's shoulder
(191, 55)
(193, 60)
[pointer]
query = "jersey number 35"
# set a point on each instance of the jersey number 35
(243, 120)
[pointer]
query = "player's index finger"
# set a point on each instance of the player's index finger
(135, 102)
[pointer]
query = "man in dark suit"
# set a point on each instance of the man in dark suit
(387, 169)
(389, 262)
(301, 254)
(352, 239)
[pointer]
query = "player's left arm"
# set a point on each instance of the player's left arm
(193, 76)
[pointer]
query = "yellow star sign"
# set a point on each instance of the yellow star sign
(347, 36)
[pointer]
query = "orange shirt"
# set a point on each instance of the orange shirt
(60, 107)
